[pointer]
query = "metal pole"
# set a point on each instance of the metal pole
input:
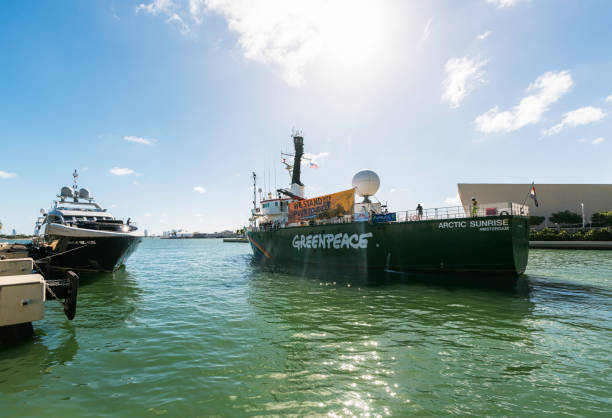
(528, 193)
(254, 191)
(582, 208)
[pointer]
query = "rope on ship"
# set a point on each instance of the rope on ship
(62, 253)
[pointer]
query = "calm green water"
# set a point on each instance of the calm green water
(193, 328)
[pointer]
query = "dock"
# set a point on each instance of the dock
(241, 239)
(571, 245)
(24, 290)
(22, 299)
(10, 251)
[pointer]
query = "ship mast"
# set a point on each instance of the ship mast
(254, 191)
(75, 186)
(297, 187)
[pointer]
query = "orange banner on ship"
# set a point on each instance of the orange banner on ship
(328, 206)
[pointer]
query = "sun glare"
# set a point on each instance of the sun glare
(354, 36)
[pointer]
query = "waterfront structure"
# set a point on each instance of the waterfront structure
(81, 235)
(22, 298)
(552, 198)
(334, 230)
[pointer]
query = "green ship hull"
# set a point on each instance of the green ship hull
(489, 245)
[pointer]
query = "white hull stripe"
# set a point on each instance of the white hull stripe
(70, 231)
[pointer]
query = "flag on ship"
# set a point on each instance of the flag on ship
(312, 165)
(532, 194)
(75, 174)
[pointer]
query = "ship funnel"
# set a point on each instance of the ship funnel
(298, 142)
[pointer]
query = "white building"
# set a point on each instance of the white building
(551, 197)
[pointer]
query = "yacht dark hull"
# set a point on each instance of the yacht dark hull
(94, 254)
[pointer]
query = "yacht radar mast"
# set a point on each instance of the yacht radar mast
(75, 185)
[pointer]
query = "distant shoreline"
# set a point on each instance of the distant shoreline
(13, 237)
(204, 236)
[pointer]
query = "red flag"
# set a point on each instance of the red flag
(532, 194)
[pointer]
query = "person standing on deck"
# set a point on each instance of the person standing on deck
(474, 207)
(419, 209)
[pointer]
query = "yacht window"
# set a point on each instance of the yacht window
(90, 218)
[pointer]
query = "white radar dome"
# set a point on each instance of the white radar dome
(366, 182)
(66, 192)
(84, 193)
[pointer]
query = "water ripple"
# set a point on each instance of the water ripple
(194, 327)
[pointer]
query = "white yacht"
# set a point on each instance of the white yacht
(81, 235)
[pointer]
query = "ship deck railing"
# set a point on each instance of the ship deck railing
(451, 212)
(454, 212)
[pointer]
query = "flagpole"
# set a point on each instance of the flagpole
(527, 195)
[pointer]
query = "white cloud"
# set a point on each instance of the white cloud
(314, 157)
(199, 189)
(582, 116)
(139, 140)
(284, 34)
(147, 215)
(427, 30)
(168, 8)
(196, 8)
(7, 175)
(484, 35)
(118, 171)
(178, 21)
(453, 201)
(503, 3)
(288, 35)
(609, 99)
(156, 7)
(547, 89)
(581, 140)
(462, 76)
(598, 140)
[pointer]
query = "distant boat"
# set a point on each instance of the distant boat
(334, 230)
(79, 234)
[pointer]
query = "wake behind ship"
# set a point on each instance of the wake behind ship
(334, 230)
(78, 234)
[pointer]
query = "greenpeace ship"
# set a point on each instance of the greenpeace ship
(334, 230)
(79, 234)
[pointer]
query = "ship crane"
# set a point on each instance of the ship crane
(289, 194)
